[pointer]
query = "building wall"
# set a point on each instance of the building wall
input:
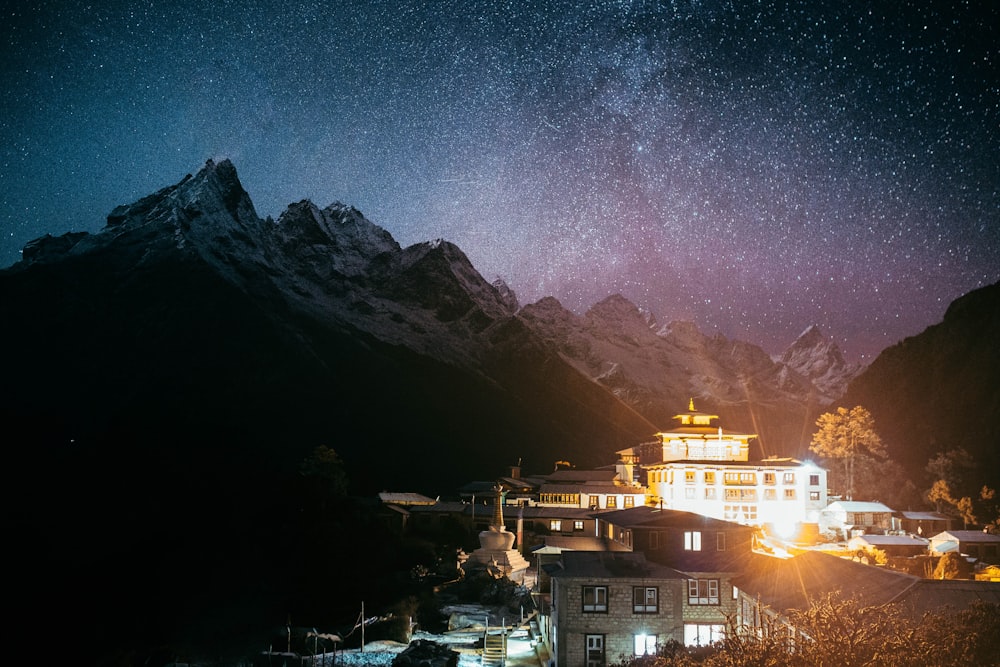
(619, 625)
(765, 494)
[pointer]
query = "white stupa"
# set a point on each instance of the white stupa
(496, 552)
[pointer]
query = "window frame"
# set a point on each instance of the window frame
(692, 540)
(596, 606)
(644, 606)
(698, 586)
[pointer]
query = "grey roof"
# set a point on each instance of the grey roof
(612, 565)
(785, 584)
(967, 536)
(397, 498)
(579, 543)
(858, 506)
(921, 516)
(892, 540)
(656, 517)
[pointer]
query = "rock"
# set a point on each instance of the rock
(425, 653)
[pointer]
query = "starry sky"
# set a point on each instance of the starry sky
(755, 167)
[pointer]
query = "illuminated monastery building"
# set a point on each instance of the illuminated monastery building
(699, 467)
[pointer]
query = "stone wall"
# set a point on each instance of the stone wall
(620, 623)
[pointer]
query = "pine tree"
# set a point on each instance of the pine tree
(847, 436)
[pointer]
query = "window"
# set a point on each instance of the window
(788, 478)
(595, 651)
(692, 540)
(709, 494)
(555, 524)
(595, 598)
(742, 495)
(703, 591)
(689, 493)
(769, 478)
(645, 645)
(709, 477)
(720, 541)
(654, 540)
(703, 634)
(789, 494)
(770, 494)
(813, 480)
(689, 476)
(814, 495)
(577, 525)
(612, 502)
(736, 593)
(740, 478)
(629, 501)
(745, 513)
(644, 600)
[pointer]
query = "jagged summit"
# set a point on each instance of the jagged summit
(816, 357)
(215, 187)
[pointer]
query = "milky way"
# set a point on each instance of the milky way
(755, 167)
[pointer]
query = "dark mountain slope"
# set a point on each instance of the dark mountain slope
(940, 390)
(170, 374)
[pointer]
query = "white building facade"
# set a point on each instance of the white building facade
(707, 470)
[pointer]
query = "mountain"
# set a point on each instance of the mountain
(171, 374)
(940, 390)
(657, 369)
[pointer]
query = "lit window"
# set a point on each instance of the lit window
(703, 634)
(645, 645)
(703, 591)
(709, 477)
(689, 476)
(595, 598)
(769, 478)
(629, 501)
(644, 600)
(555, 524)
(814, 495)
(788, 478)
(577, 525)
(692, 540)
(789, 494)
(612, 502)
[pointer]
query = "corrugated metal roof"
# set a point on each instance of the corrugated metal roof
(857, 506)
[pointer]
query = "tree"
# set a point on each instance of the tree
(847, 436)
(952, 566)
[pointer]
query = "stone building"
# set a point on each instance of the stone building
(606, 605)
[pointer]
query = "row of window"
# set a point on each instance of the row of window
(744, 495)
(646, 599)
(695, 634)
(592, 501)
(730, 478)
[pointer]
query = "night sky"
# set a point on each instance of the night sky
(755, 167)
